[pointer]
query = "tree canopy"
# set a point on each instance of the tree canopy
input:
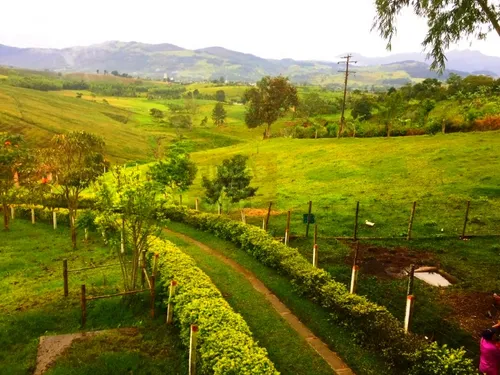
(232, 181)
(449, 21)
(270, 100)
(219, 114)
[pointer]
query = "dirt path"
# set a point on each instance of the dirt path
(332, 358)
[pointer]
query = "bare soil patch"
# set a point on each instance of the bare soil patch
(386, 263)
(51, 347)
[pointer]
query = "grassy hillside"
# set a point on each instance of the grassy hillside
(385, 175)
(41, 115)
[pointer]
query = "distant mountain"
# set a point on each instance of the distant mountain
(465, 61)
(155, 60)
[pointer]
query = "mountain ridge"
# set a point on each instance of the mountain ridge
(155, 60)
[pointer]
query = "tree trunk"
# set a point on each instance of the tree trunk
(72, 224)
(5, 216)
(388, 131)
(267, 133)
(316, 134)
(443, 126)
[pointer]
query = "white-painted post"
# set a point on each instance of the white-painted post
(86, 234)
(32, 216)
(192, 350)
(12, 212)
(196, 203)
(354, 279)
(243, 217)
(287, 229)
(104, 169)
(54, 219)
(170, 307)
(315, 255)
(410, 303)
(122, 238)
(264, 223)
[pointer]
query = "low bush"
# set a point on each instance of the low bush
(225, 343)
(370, 324)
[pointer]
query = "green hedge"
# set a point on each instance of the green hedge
(42, 214)
(225, 343)
(370, 324)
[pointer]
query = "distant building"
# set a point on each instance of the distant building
(165, 76)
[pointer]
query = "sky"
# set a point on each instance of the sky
(305, 30)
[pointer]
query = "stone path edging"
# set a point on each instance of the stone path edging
(332, 358)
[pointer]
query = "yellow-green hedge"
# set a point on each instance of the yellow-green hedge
(225, 343)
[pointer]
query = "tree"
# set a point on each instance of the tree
(362, 108)
(204, 122)
(178, 172)
(268, 101)
(156, 113)
(393, 107)
(13, 171)
(232, 181)
(115, 73)
(181, 121)
(77, 160)
(196, 93)
(313, 105)
(449, 22)
(97, 71)
(220, 96)
(129, 215)
(219, 114)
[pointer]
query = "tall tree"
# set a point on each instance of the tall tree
(219, 114)
(449, 22)
(77, 160)
(178, 172)
(232, 181)
(272, 97)
(16, 167)
(220, 96)
(129, 215)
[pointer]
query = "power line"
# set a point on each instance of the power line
(347, 61)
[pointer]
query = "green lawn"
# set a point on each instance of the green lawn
(32, 303)
(249, 303)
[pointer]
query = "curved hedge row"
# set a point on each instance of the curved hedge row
(225, 343)
(371, 324)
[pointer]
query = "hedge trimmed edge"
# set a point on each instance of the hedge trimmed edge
(225, 343)
(371, 324)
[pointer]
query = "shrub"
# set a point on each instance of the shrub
(371, 324)
(225, 343)
(487, 123)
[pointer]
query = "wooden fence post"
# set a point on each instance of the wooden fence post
(410, 300)
(243, 217)
(170, 308)
(355, 270)
(153, 296)
(268, 215)
(287, 229)
(220, 209)
(54, 219)
(355, 235)
(315, 255)
(264, 223)
(32, 216)
(308, 218)
(65, 277)
(86, 234)
(466, 219)
(192, 349)
(410, 224)
(315, 234)
(83, 304)
(196, 203)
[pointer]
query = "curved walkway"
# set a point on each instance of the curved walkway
(332, 358)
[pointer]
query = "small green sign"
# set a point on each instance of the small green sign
(311, 219)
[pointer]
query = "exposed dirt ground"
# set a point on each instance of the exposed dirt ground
(51, 347)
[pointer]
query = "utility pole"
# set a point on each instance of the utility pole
(347, 72)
